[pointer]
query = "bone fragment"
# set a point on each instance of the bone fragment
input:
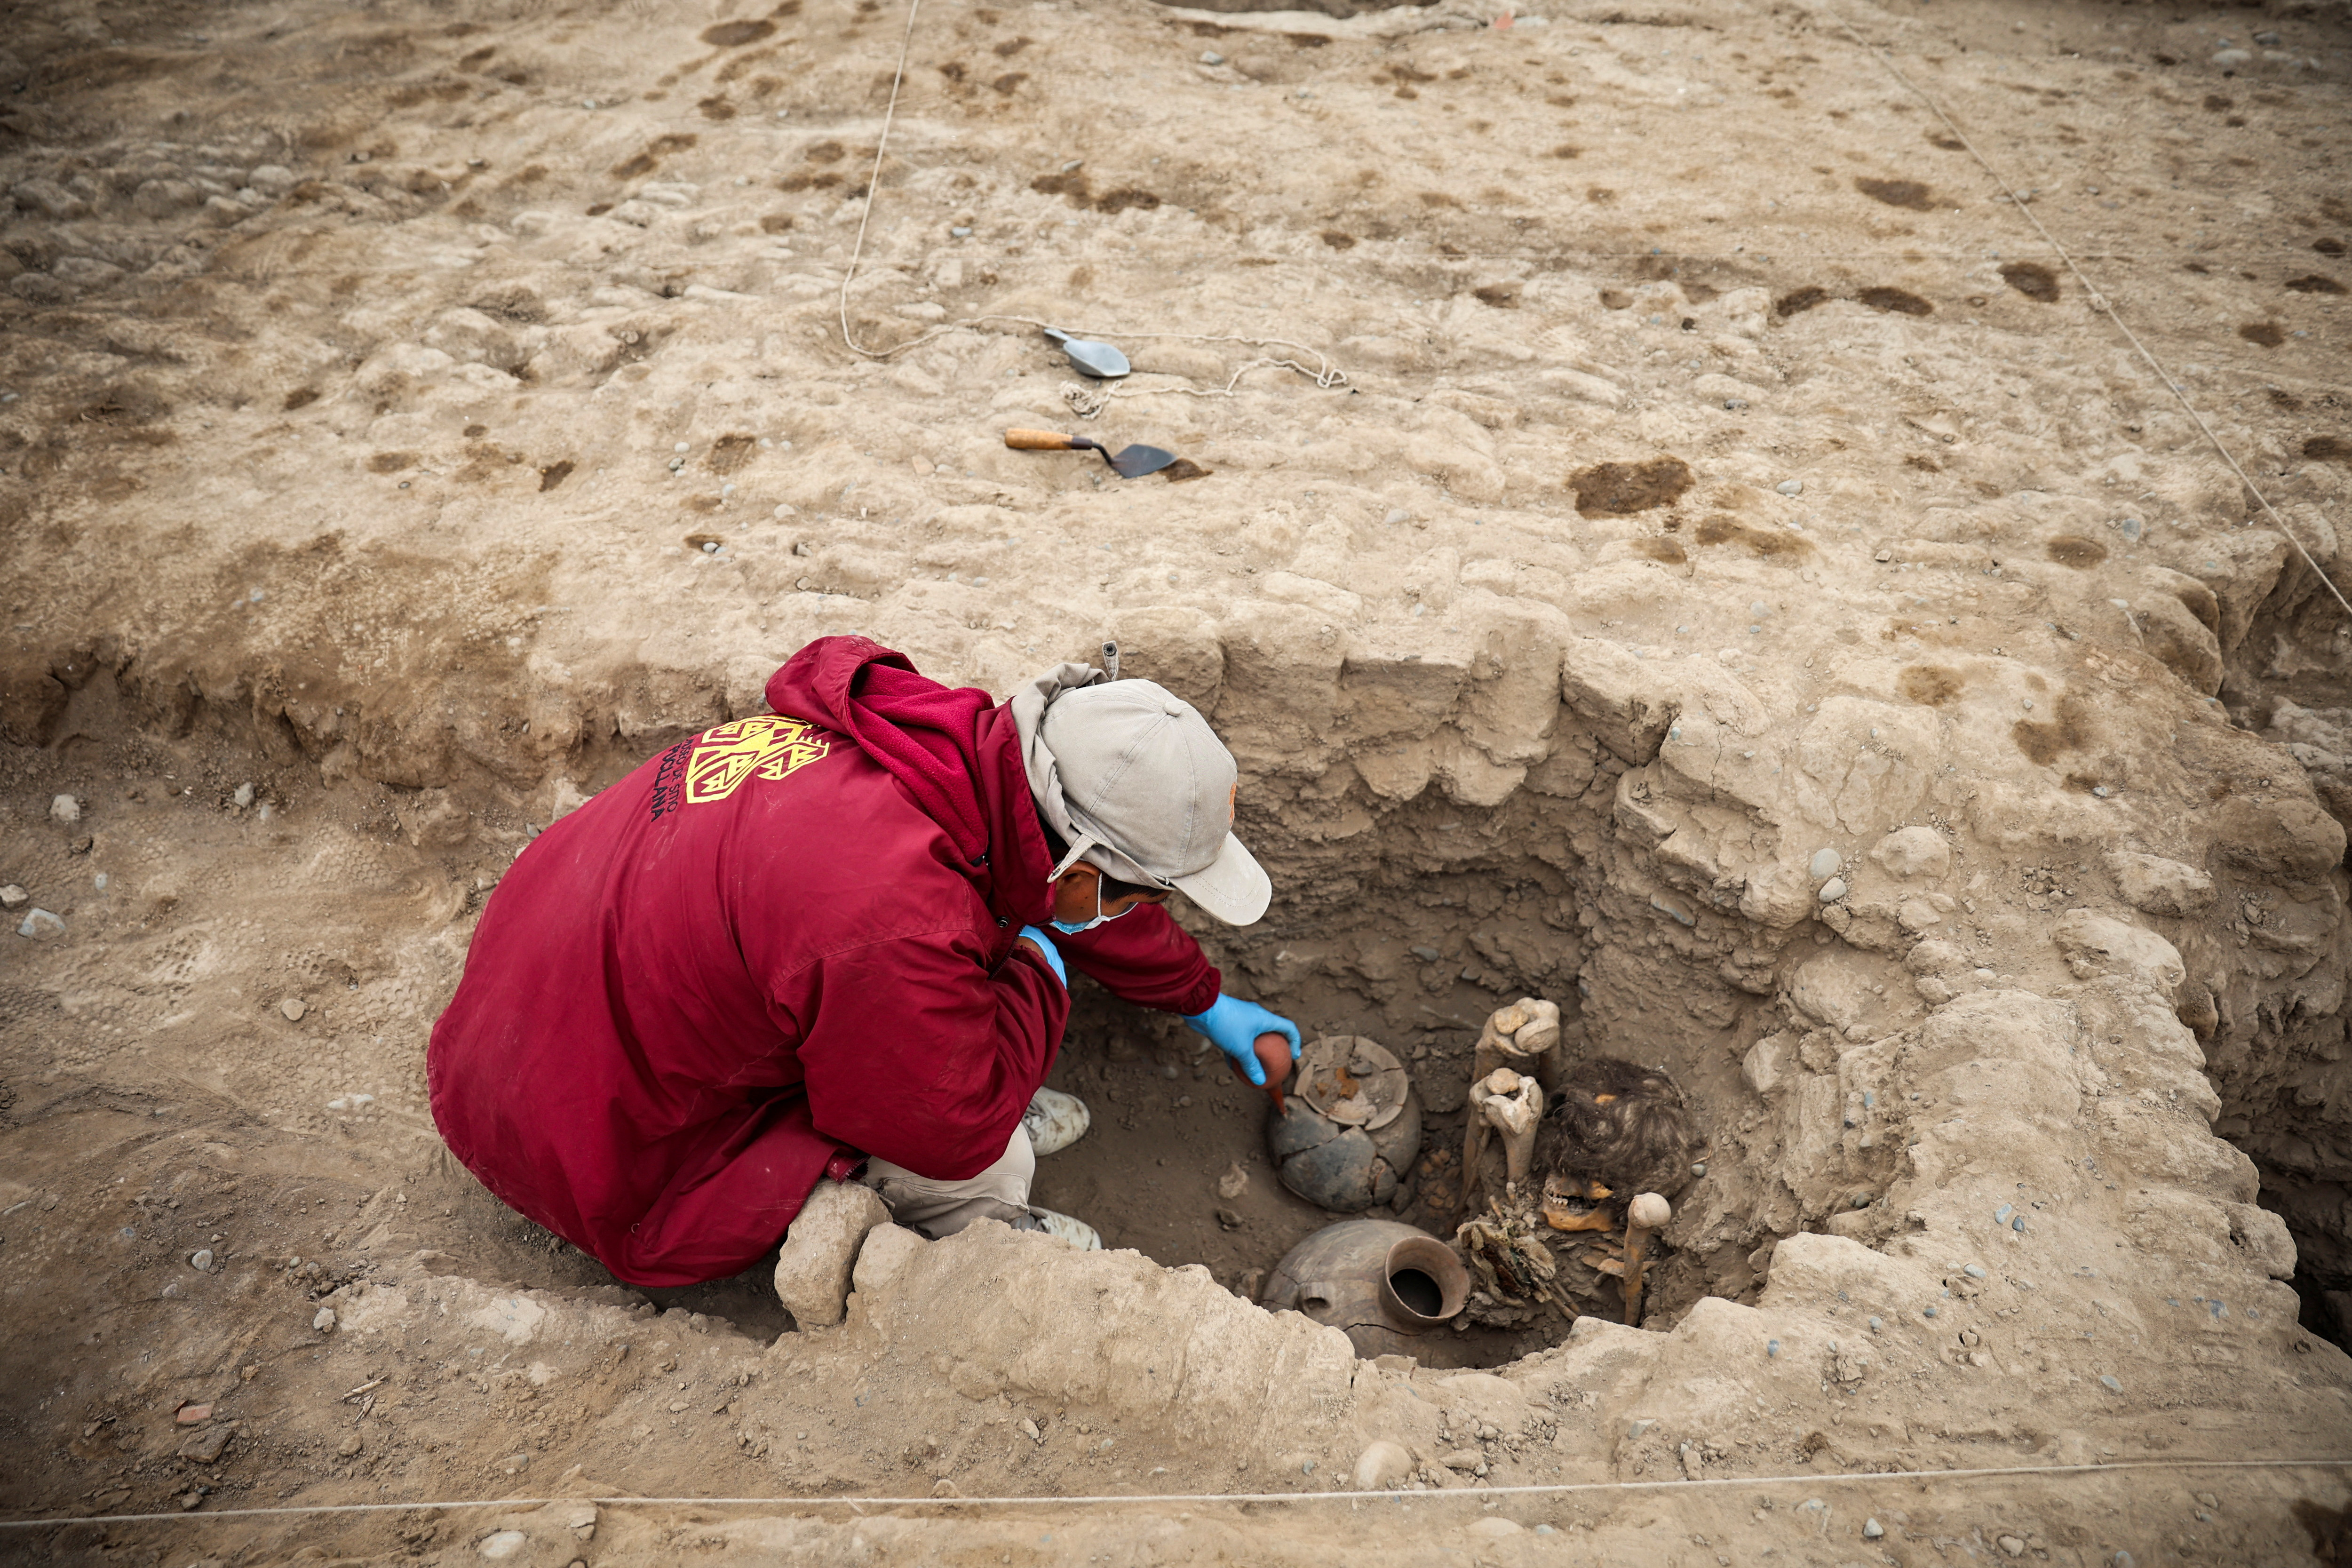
(1648, 1212)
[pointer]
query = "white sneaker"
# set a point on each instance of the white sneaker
(1075, 1233)
(1054, 1120)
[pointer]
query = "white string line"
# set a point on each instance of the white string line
(2100, 302)
(1481, 1493)
(1325, 376)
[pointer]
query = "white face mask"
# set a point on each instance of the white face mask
(1099, 918)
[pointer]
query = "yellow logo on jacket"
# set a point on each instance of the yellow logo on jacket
(771, 746)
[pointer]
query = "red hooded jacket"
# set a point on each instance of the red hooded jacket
(784, 942)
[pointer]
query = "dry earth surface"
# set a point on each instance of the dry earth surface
(1737, 586)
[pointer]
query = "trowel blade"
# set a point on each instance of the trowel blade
(1100, 361)
(1134, 462)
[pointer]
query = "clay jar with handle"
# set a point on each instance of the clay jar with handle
(1380, 1283)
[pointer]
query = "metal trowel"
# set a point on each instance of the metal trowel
(1127, 462)
(1100, 361)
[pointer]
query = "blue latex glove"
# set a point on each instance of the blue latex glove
(1234, 1027)
(1053, 955)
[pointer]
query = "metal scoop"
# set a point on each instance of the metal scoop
(1100, 361)
(1128, 462)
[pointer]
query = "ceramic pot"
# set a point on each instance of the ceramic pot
(1352, 1129)
(1380, 1283)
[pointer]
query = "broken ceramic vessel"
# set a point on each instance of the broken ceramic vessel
(1352, 1129)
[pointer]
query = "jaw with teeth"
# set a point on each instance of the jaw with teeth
(1572, 1205)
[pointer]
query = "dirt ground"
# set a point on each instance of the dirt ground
(412, 418)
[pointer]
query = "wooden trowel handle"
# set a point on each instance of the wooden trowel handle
(1040, 441)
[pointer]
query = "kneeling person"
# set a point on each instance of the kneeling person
(831, 942)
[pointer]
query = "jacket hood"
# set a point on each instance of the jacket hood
(953, 750)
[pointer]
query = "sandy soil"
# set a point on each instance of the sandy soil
(410, 420)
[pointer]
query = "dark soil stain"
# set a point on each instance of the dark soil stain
(646, 161)
(555, 474)
(2315, 284)
(2032, 279)
(1909, 193)
(1620, 490)
(2073, 550)
(735, 35)
(2045, 742)
(1502, 296)
(391, 462)
(1901, 302)
(2270, 334)
(2328, 246)
(1658, 547)
(716, 109)
(1184, 469)
(300, 397)
(1615, 298)
(1770, 543)
(1800, 301)
(1338, 240)
(1081, 192)
(1930, 685)
(730, 452)
(2328, 449)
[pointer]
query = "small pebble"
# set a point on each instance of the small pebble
(244, 796)
(1397, 515)
(1029, 1430)
(1825, 863)
(682, 446)
(1974, 1271)
(1698, 1168)
(1871, 1529)
(1791, 486)
(1876, 1325)
(65, 808)
(2012, 1545)
(325, 1319)
(2001, 1215)
(1861, 1200)
(960, 232)
(201, 1260)
(2018, 1225)
(40, 923)
(1210, 57)
(1833, 889)
(1928, 1313)
(709, 547)
(13, 897)
(293, 1007)
(1771, 1348)
(2110, 1384)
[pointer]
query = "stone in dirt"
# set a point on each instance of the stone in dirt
(13, 897)
(40, 923)
(65, 808)
(293, 1007)
(821, 1248)
(1382, 1464)
(2156, 886)
(1913, 852)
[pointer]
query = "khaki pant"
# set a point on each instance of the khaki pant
(939, 1209)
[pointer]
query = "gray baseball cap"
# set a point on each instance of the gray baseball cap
(1137, 784)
